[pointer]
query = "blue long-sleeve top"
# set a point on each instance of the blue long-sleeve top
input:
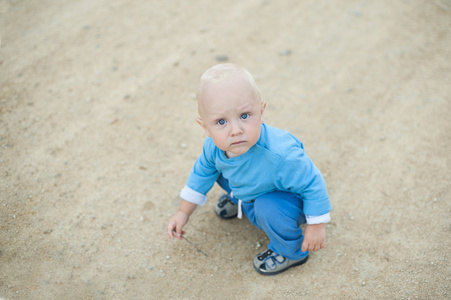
(276, 162)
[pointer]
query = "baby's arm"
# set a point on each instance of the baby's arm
(179, 219)
(314, 237)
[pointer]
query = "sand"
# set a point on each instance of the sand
(98, 135)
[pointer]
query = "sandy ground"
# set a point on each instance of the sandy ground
(98, 134)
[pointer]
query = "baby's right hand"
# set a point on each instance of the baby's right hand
(176, 224)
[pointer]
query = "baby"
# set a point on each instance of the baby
(264, 170)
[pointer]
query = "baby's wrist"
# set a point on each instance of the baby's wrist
(184, 213)
(319, 225)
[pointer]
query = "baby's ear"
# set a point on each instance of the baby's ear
(202, 124)
(263, 109)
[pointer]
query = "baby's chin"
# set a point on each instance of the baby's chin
(236, 152)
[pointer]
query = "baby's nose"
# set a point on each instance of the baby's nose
(236, 130)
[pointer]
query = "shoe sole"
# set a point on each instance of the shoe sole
(226, 218)
(301, 262)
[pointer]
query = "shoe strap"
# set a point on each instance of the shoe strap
(240, 210)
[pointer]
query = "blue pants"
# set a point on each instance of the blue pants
(279, 214)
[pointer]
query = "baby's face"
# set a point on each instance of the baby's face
(231, 114)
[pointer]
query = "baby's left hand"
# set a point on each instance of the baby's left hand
(314, 237)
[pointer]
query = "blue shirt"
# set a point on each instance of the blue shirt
(276, 162)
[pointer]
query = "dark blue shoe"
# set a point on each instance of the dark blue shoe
(269, 262)
(225, 208)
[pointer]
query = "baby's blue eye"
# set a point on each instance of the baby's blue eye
(244, 116)
(221, 122)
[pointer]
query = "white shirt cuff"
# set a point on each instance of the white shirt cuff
(317, 219)
(193, 196)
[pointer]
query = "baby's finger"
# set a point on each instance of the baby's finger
(170, 230)
(178, 232)
(304, 246)
(315, 247)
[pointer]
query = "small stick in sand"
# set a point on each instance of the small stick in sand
(197, 248)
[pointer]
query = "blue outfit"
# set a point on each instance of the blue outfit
(276, 181)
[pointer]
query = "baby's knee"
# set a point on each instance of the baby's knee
(277, 206)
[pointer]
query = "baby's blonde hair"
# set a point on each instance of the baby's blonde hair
(221, 72)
